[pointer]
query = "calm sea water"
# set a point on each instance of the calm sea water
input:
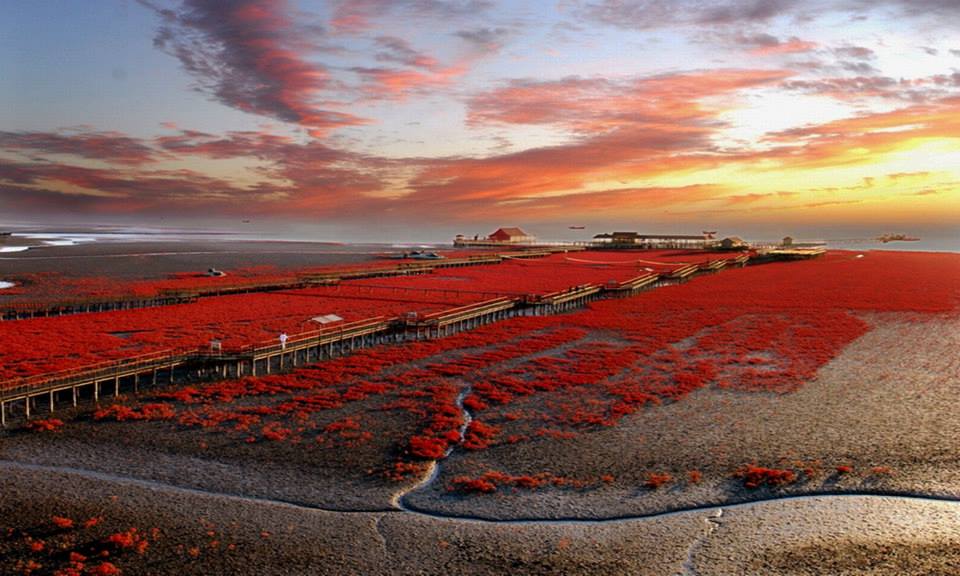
(922, 245)
(28, 240)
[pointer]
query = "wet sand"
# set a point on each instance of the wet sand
(200, 533)
(885, 401)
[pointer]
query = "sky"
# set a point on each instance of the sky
(419, 119)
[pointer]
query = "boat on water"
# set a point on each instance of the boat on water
(417, 255)
(896, 238)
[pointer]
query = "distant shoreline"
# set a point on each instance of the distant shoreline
(26, 239)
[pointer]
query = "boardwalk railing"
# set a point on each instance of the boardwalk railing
(564, 296)
(302, 340)
(470, 311)
(714, 265)
(21, 310)
(684, 272)
(100, 370)
(634, 284)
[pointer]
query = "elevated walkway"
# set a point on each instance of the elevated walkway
(43, 393)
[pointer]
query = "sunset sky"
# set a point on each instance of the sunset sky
(417, 119)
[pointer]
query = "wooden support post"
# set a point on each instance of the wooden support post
(96, 391)
(51, 401)
(27, 408)
(74, 394)
(116, 386)
(3, 415)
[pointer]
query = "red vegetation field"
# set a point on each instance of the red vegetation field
(44, 345)
(553, 273)
(765, 329)
(54, 287)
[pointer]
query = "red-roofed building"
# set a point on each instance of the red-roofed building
(510, 235)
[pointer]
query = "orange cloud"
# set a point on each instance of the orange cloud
(792, 46)
(859, 140)
(589, 105)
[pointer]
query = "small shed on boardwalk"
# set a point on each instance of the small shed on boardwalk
(510, 235)
(733, 243)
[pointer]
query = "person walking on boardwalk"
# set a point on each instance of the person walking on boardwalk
(283, 340)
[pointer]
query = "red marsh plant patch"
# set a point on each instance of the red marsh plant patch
(69, 547)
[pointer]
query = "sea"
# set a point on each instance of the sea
(27, 239)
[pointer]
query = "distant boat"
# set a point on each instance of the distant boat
(4, 234)
(896, 238)
(246, 221)
(709, 234)
(417, 255)
(576, 227)
(426, 256)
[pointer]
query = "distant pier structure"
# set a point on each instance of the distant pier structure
(513, 236)
(787, 249)
(653, 241)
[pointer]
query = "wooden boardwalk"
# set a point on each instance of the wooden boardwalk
(44, 393)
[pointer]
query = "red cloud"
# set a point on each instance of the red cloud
(106, 146)
(394, 83)
(249, 55)
(623, 134)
